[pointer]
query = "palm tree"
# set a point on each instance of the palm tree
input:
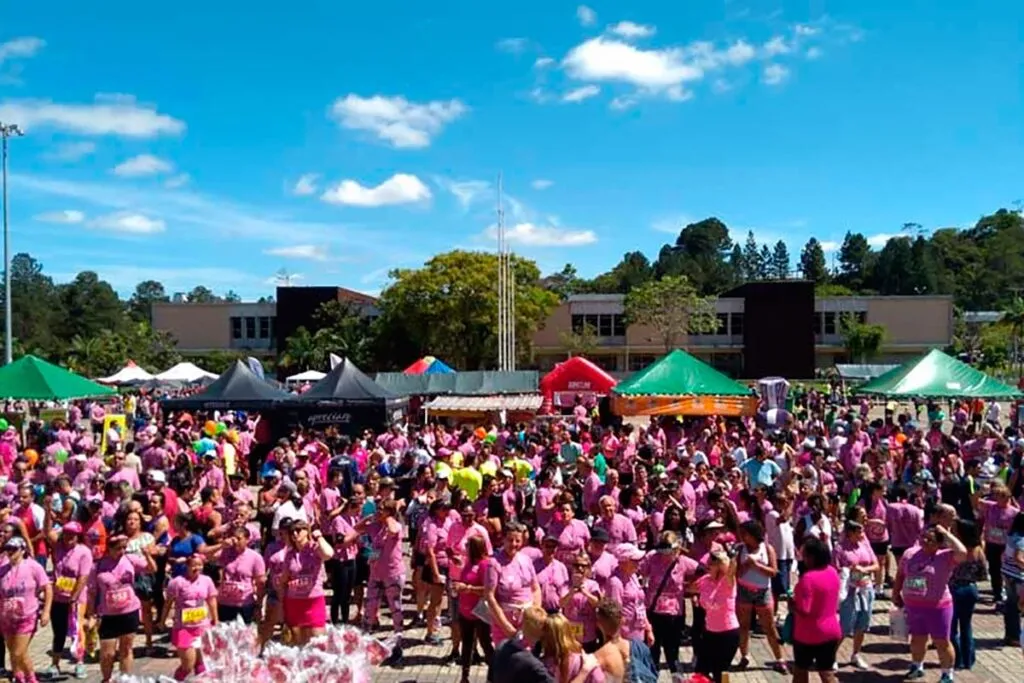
(301, 351)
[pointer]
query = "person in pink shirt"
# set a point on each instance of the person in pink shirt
(243, 578)
(854, 554)
(564, 657)
(572, 534)
(666, 571)
(387, 569)
(22, 579)
(997, 516)
(580, 602)
(346, 552)
(72, 563)
(720, 637)
(816, 632)
(552, 574)
(510, 585)
(193, 600)
(431, 543)
(469, 589)
(619, 527)
(876, 528)
(302, 584)
(904, 520)
(624, 588)
(113, 600)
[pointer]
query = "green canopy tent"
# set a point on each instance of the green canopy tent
(33, 379)
(936, 375)
(680, 384)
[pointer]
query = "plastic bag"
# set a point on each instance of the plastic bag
(898, 630)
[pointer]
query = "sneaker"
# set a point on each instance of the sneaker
(51, 672)
(744, 663)
(946, 677)
(915, 673)
(80, 672)
(858, 662)
(780, 667)
(433, 639)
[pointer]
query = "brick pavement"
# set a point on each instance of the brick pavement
(889, 661)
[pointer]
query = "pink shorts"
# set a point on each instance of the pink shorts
(19, 628)
(305, 612)
(185, 637)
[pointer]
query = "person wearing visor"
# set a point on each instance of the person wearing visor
(113, 602)
(22, 579)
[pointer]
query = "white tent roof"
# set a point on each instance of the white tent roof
(307, 376)
(185, 372)
(127, 374)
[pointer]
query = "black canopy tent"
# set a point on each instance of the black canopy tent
(347, 399)
(236, 389)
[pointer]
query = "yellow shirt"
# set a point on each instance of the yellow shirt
(228, 453)
(469, 480)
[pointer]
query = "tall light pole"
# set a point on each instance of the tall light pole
(7, 131)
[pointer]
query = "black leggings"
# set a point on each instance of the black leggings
(474, 629)
(697, 633)
(668, 637)
(60, 613)
(994, 555)
(343, 580)
(717, 653)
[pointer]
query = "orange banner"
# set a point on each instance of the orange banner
(727, 406)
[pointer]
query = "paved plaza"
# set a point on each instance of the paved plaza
(889, 661)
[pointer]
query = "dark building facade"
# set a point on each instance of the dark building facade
(778, 331)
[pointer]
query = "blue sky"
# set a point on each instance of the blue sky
(222, 141)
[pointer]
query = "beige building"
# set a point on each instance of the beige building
(914, 324)
(218, 326)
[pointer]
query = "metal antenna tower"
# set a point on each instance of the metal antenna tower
(506, 293)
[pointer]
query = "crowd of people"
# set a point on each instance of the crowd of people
(563, 549)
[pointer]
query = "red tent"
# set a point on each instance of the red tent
(576, 376)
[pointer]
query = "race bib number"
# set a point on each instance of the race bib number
(860, 579)
(996, 535)
(193, 615)
(664, 605)
(12, 609)
(119, 598)
(232, 590)
(300, 584)
(66, 584)
(577, 630)
(916, 586)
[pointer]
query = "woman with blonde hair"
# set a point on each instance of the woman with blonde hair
(563, 655)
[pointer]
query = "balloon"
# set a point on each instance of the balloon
(233, 436)
(480, 433)
(221, 428)
(31, 456)
(490, 438)
(210, 427)
(3, 425)
(61, 457)
(197, 447)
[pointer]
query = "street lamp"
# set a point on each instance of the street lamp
(7, 130)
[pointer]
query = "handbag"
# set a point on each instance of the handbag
(661, 587)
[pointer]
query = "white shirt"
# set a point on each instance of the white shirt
(287, 510)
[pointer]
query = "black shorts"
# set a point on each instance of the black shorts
(428, 573)
(820, 657)
(898, 552)
(880, 548)
(114, 626)
(362, 569)
(226, 613)
(418, 559)
(144, 587)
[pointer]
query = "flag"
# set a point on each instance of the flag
(335, 360)
(256, 366)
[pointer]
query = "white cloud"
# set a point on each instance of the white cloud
(20, 48)
(395, 120)
(66, 217)
(806, 30)
(72, 151)
(775, 74)
(143, 165)
(466, 192)
(120, 116)
(129, 222)
(629, 29)
(306, 184)
(603, 59)
(622, 103)
(582, 93)
(180, 180)
(829, 246)
(878, 241)
(813, 53)
(513, 45)
(543, 62)
(307, 252)
(401, 188)
(776, 46)
(541, 184)
(531, 235)
(586, 16)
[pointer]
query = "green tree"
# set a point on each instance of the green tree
(1013, 320)
(38, 311)
(892, 272)
(862, 340)
(854, 261)
(92, 307)
(581, 342)
(201, 295)
(812, 262)
(672, 307)
(449, 308)
(752, 258)
(342, 328)
(700, 253)
(737, 264)
(564, 283)
(232, 296)
(633, 270)
(302, 351)
(779, 268)
(147, 293)
(765, 258)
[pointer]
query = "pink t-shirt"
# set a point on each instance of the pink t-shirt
(346, 525)
(848, 555)
(329, 499)
(512, 579)
(386, 562)
(875, 531)
(581, 614)
(545, 497)
(71, 564)
(572, 538)
(620, 530)
(190, 607)
(718, 598)
(239, 570)
(671, 598)
(434, 536)
(458, 535)
(815, 605)
(906, 522)
(113, 582)
(926, 577)
(19, 591)
(630, 596)
(472, 576)
(998, 520)
(554, 582)
(306, 573)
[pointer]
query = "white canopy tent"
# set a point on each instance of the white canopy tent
(307, 376)
(129, 374)
(185, 372)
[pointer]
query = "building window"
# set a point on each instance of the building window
(264, 327)
(862, 317)
(639, 361)
(817, 323)
(830, 322)
(609, 363)
(604, 325)
(723, 324)
(250, 328)
(236, 328)
(618, 325)
(273, 327)
(737, 324)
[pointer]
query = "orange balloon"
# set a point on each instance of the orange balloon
(32, 456)
(210, 427)
(480, 432)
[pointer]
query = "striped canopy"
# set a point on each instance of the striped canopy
(428, 365)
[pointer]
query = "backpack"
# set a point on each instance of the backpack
(640, 668)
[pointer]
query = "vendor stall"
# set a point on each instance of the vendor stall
(33, 379)
(185, 373)
(130, 374)
(936, 375)
(503, 409)
(236, 389)
(680, 384)
(428, 365)
(346, 399)
(576, 377)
